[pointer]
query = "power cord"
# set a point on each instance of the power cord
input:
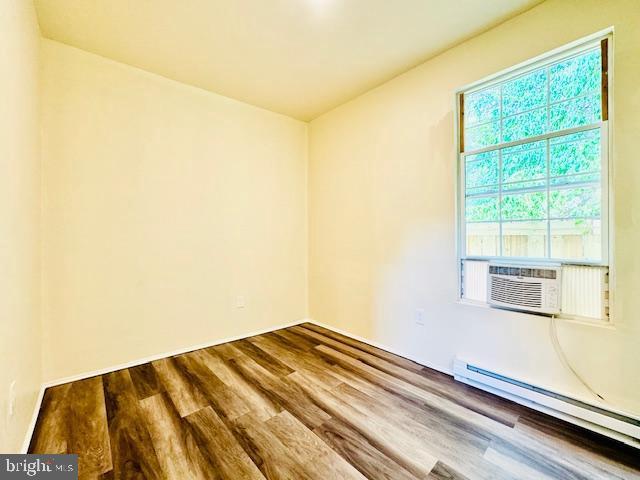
(553, 333)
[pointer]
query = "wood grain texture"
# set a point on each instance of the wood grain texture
(308, 403)
(89, 430)
(443, 472)
(260, 405)
(314, 455)
(145, 380)
(226, 457)
(177, 452)
(604, 81)
(132, 451)
(417, 377)
(262, 358)
(268, 453)
(359, 451)
(185, 395)
(224, 401)
(51, 433)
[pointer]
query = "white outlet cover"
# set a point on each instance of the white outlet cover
(240, 302)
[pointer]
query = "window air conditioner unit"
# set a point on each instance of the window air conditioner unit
(527, 288)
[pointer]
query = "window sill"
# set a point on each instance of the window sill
(608, 325)
(536, 261)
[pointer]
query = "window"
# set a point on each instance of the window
(533, 161)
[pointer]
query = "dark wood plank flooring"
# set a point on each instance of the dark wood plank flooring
(307, 403)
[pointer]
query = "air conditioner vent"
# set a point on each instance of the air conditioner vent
(523, 272)
(517, 293)
(524, 288)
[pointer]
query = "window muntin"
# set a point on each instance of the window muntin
(532, 163)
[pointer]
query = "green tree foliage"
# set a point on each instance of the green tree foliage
(524, 162)
(524, 206)
(482, 209)
(573, 154)
(524, 93)
(575, 202)
(575, 77)
(563, 95)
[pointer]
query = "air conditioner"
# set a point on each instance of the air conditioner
(524, 287)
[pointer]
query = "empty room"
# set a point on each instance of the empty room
(319, 239)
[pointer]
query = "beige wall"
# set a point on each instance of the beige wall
(19, 219)
(163, 203)
(382, 213)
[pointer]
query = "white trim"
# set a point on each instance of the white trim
(139, 361)
(535, 260)
(554, 413)
(537, 138)
(604, 194)
(495, 391)
(445, 370)
(572, 319)
(180, 351)
(458, 201)
(34, 419)
(610, 172)
(593, 420)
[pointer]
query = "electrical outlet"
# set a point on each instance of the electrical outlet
(420, 317)
(12, 398)
(240, 302)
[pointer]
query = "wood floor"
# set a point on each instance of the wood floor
(307, 403)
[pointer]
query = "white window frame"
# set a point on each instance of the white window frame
(561, 53)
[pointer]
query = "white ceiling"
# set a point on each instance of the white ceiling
(297, 57)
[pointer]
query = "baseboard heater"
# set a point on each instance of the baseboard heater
(600, 418)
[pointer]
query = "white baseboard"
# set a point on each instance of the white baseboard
(34, 419)
(500, 393)
(141, 361)
(134, 363)
(593, 415)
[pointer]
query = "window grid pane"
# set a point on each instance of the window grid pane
(541, 198)
(552, 211)
(563, 95)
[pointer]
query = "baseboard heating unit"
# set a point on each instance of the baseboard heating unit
(597, 417)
